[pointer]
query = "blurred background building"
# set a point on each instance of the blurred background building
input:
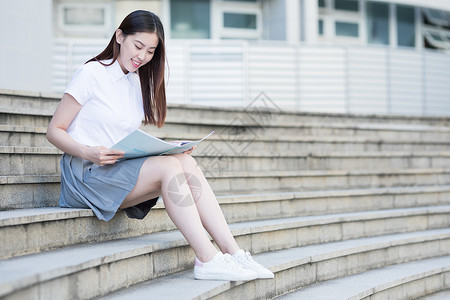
(356, 56)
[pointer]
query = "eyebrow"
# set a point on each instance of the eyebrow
(143, 44)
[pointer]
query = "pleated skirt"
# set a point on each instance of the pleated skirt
(101, 188)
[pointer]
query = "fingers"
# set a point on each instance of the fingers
(190, 150)
(111, 156)
(104, 156)
(115, 152)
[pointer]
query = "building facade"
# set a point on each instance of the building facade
(357, 56)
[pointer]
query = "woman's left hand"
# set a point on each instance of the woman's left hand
(190, 150)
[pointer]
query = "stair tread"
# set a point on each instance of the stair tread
(19, 271)
(278, 119)
(369, 282)
(32, 215)
(243, 137)
(361, 154)
(275, 261)
(284, 173)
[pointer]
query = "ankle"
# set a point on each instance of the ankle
(231, 250)
(206, 257)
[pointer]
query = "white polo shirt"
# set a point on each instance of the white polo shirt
(111, 103)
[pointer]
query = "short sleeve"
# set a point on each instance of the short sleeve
(81, 85)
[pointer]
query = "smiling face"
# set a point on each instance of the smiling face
(135, 49)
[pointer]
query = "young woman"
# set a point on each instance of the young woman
(107, 99)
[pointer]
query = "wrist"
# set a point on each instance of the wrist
(83, 152)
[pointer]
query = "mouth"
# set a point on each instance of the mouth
(135, 64)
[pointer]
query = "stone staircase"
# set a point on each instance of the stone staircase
(337, 206)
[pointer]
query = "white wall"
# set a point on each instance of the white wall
(26, 45)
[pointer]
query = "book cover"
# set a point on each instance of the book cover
(139, 144)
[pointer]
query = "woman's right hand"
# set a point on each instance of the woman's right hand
(101, 156)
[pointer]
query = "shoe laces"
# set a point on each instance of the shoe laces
(230, 262)
(248, 260)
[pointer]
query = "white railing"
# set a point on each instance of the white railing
(353, 79)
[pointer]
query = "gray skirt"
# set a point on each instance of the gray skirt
(101, 188)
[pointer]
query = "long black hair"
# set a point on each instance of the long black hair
(151, 74)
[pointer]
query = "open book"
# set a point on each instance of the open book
(139, 144)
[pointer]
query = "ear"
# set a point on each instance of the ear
(119, 36)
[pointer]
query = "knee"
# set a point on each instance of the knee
(172, 165)
(186, 160)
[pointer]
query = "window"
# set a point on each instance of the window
(190, 19)
(346, 29)
(378, 23)
(347, 5)
(406, 32)
(340, 21)
(320, 27)
(84, 16)
(83, 20)
(235, 20)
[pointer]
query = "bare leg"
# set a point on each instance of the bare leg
(208, 208)
(154, 178)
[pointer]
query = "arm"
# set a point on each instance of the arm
(57, 134)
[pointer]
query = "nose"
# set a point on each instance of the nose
(141, 55)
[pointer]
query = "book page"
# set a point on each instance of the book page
(140, 144)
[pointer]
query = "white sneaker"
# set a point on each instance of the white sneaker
(246, 260)
(222, 267)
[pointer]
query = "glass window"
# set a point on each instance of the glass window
(190, 19)
(346, 29)
(349, 5)
(84, 16)
(322, 3)
(378, 23)
(320, 27)
(406, 33)
(235, 20)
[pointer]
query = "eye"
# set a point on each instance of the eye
(150, 52)
(137, 47)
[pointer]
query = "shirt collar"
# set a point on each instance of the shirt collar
(116, 73)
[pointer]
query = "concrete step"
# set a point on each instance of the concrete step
(330, 161)
(224, 183)
(23, 136)
(403, 281)
(269, 181)
(45, 161)
(26, 191)
(32, 231)
(231, 131)
(34, 109)
(18, 192)
(300, 267)
(27, 136)
(225, 130)
(28, 101)
(16, 116)
(241, 131)
(107, 266)
(260, 111)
